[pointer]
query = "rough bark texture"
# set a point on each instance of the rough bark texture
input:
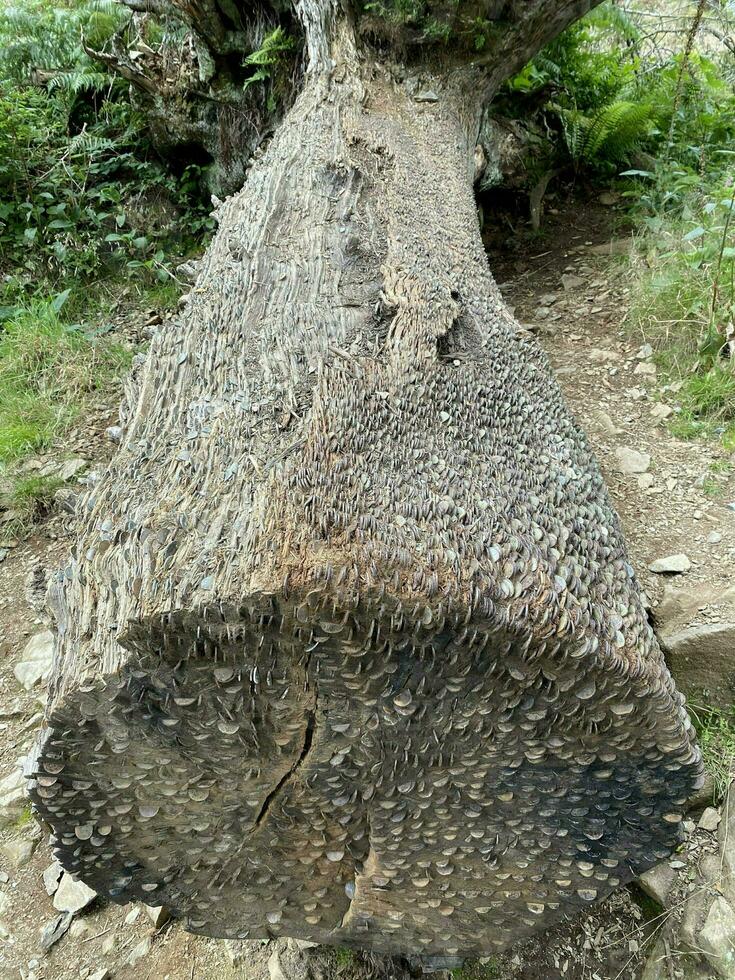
(350, 649)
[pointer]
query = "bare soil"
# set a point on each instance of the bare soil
(593, 353)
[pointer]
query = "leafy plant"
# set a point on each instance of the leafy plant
(609, 135)
(48, 371)
(270, 56)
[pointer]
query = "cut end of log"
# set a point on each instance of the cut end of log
(363, 774)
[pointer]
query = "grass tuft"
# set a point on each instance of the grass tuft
(716, 733)
(49, 371)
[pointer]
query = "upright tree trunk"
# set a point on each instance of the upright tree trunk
(349, 649)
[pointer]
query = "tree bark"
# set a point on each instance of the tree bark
(349, 648)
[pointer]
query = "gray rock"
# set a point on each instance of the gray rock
(236, 951)
(644, 352)
(618, 246)
(726, 840)
(658, 883)
(569, 281)
(78, 928)
(53, 931)
(656, 967)
(12, 791)
(102, 974)
(714, 537)
(5, 933)
(659, 412)
(158, 914)
(606, 423)
(114, 433)
(72, 895)
(275, 970)
(19, 852)
(138, 952)
(717, 938)
(670, 565)
(426, 95)
(51, 877)
(710, 819)
(631, 461)
(701, 659)
(646, 368)
(35, 661)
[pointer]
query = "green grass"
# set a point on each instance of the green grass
(49, 371)
(716, 733)
(671, 309)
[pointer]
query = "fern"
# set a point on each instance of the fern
(609, 135)
(615, 131)
(268, 56)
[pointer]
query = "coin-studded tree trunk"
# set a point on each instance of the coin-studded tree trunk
(349, 647)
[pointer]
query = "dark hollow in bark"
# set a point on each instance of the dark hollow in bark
(349, 648)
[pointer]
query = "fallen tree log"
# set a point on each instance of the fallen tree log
(349, 648)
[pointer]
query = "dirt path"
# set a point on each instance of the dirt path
(678, 505)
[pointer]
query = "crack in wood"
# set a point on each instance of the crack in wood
(308, 739)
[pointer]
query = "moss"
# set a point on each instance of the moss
(486, 969)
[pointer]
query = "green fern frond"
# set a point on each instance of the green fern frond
(75, 82)
(615, 131)
(609, 17)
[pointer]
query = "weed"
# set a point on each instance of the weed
(49, 369)
(344, 956)
(716, 734)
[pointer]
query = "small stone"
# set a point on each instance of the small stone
(70, 468)
(569, 281)
(108, 945)
(19, 852)
(700, 659)
(102, 974)
(139, 951)
(606, 423)
(717, 938)
(53, 931)
(644, 353)
(275, 970)
(114, 433)
(631, 461)
(51, 877)
(158, 914)
(78, 928)
(426, 95)
(236, 951)
(35, 661)
(659, 412)
(132, 915)
(548, 299)
(645, 481)
(12, 790)
(714, 537)
(647, 368)
(658, 882)
(710, 819)
(670, 565)
(72, 895)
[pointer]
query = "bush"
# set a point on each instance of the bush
(78, 176)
